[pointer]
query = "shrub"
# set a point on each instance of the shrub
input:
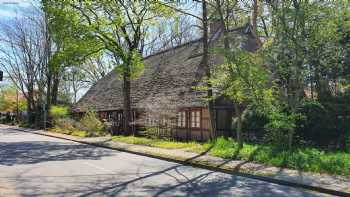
(59, 112)
(92, 124)
(281, 128)
(347, 142)
(253, 125)
(65, 124)
(324, 124)
(313, 127)
(156, 132)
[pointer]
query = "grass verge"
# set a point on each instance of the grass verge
(77, 133)
(168, 144)
(305, 159)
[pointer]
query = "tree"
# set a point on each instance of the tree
(204, 20)
(120, 26)
(69, 45)
(245, 81)
(23, 55)
(169, 32)
(305, 50)
(11, 101)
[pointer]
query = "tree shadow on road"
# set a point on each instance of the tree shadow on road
(176, 180)
(31, 152)
(180, 180)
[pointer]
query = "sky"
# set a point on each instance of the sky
(12, 8)
(9, 9)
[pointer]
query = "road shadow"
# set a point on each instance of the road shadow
(31, 152)
(175, 180)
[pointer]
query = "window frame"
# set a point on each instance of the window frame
(196, 119)
(181, 119)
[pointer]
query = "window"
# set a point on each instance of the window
(181, 119)
(195, 119)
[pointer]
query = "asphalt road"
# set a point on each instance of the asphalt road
(34, 165)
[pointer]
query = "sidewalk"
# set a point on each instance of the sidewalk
(6, 189)
(325, 181)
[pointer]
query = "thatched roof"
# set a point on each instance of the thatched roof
(169, 74)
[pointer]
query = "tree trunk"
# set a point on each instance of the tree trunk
(239, 126)
(31, 107)
(55, 86)
(48, 91)
(127, 102)
(205, 64)
(255, 16)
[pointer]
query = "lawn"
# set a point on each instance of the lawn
(76, 132)
(305, 159)
(168, 144)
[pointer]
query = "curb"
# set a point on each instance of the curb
(202, 166)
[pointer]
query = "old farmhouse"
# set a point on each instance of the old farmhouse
(168, 83)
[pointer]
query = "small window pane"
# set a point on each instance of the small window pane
(195, 119)
(181, 119)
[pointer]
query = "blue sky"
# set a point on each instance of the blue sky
(11, 8)
(8, 10)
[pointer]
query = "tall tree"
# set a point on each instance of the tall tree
(120, 26)
(69, 45)
(23, 57)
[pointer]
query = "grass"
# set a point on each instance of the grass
(168, 144)
(305, 159)
(77, 133)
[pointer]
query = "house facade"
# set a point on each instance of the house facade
(166, 92)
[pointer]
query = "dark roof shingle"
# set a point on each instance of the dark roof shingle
(171, 73)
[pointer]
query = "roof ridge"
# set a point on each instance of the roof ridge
(172, 48)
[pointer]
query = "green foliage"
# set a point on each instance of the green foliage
(88, 126)
(281, 128)
(65, 124)
(59, 111)
(8, 100)
(74, 132)
(324, 124)
(73, 39)
(91, 123)
(306, 159)
(243, 79)
(152, 132)
(347, 142)
(254, 124)
(168, 144)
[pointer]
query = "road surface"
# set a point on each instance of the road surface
(34, 165)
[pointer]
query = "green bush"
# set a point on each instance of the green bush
(324, 125)
(280, 128)
(315, 124)
(59, 111)
(305, 159)
(253, 125)
(92, 124)
(65, 124)
(347, 142)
